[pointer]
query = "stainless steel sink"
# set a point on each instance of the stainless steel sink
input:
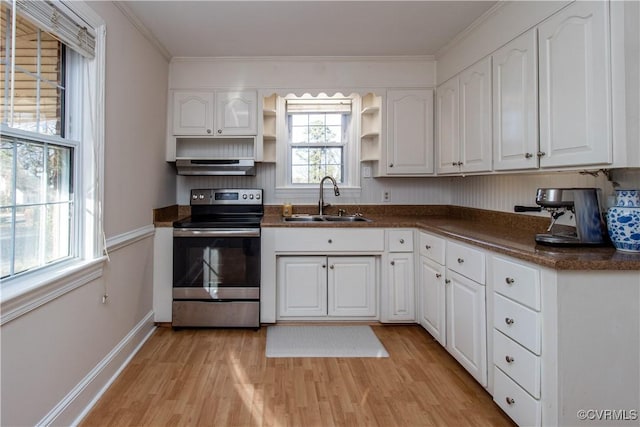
(326, 218)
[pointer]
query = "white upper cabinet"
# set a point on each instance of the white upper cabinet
(464, 121)
(221, 113)
(447, 127)
(193, 113)
(236, 113)
(475, 117)
(515, 104)
(409, 132)
(575, 95)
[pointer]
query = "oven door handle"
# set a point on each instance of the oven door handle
(216, 232)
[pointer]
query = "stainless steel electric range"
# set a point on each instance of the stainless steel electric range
(216, 260)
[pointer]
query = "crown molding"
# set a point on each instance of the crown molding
(397, 58)
(137, 23)
(470, 29)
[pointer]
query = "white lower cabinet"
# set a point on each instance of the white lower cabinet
(517, 340)
(399, 285)
(431, 287)
(466, 325)
(319, 286)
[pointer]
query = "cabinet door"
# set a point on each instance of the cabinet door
(193, 113)
(466, 325)
(400, 304)
(515, 104)
(475, 117)
(409, 132)
(236, 113)
(431, 304)
(302, 286)
(447, 127)
(575, 81)
(351, 286)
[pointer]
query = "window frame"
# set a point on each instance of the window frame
(350, 188)
(26, 291)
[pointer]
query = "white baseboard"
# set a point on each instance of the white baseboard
(78, 402)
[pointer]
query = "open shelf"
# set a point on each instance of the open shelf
(370, 127)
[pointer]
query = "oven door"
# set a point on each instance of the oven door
(210, 264)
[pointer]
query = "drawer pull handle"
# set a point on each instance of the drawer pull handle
(509, 359)
(510, 280)
(438, 275)
(447, 281)
(402, 241)
(508, 321)
(460, 260)
(427, 247)
(510, 400)
(330, 241)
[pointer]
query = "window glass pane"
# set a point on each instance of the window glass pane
(316, 119)
(333, 156)
(334, 133)
(300, 156)
(300, 174)
(6, 241)
(58, 231)
(58, 174)
(334, 120)
(316, 134)
(29, 243)
(29, 175)
(6, 172)
(299, 134)
(299, 120)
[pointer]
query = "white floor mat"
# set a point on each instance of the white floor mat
(323, 341)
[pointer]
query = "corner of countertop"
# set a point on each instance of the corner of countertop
(165, 216)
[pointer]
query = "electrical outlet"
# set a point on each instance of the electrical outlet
(366, 171)
(386, 196)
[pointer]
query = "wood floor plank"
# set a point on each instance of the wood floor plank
(221, 377)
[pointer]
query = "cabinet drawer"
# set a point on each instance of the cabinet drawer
(467, 261)
(517, 362)
(517, 403)
(432, 247)
(327, 240)
(516, 281)
(400, 240)
(517, 322)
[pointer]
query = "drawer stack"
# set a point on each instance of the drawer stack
(517, 340)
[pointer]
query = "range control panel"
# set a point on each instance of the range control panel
(239, 196)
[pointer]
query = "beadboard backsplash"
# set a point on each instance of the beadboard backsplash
(492, 192)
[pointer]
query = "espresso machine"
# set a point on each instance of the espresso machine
(583, 203)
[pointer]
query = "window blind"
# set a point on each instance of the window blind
(60, 22)
(319, 106)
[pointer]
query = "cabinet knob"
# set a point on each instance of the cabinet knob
(460, 260)
(528, 155)
(208, 130)
(509, 359)
(460, 163)
(510, 280)
(393, 263)
(331, 266)
(427, 247)
(454, 163)
(219, 131)
(402, 241)
(508, 321)
(510, 400)
(541, 153)
(330, 241)
(438, 275)
(390, 165)
(324, 266)
(447, 281)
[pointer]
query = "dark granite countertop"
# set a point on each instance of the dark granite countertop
(506, 233)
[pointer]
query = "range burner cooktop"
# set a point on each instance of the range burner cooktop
(224, 208)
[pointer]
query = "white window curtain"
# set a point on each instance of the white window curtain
(61, 22)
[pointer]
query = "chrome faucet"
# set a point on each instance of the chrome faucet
(336, 191)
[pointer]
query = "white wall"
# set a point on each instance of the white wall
(57, 357)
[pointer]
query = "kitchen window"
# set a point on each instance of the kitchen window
(50, 148)
(320, 141)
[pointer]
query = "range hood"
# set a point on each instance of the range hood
(191, 166)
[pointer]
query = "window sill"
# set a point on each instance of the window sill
(312, 193)
(24, 294)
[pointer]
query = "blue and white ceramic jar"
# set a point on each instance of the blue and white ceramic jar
(623, 221)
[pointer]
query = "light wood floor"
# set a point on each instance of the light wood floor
(221, 377)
